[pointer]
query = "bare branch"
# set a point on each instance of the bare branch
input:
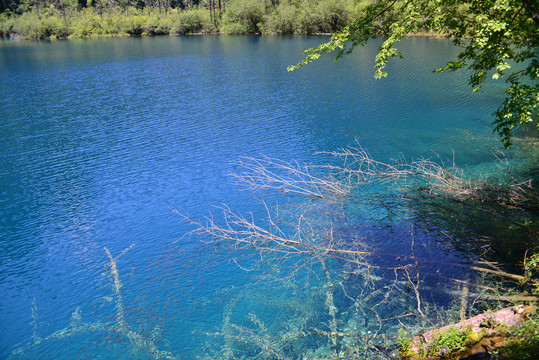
(269, 173)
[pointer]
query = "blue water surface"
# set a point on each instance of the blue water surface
(101, 139)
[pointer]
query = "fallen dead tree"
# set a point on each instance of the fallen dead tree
(434, 177)
(345, 264)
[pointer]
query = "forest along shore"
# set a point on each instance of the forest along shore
(47, 19)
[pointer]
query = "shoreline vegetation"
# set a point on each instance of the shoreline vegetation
(50, 19)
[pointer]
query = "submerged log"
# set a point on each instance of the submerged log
(478, 335)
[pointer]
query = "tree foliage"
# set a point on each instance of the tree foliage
(499, 39)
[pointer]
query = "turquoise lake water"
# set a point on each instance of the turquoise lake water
(100, 140)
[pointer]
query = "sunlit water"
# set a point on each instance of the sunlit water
(101, 139)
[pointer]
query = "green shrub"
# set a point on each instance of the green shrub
(133, 25)
(405, 342)
(525, 343)
(27, 26)
(355, 8)
(308, 17)
(6, 25)
(53, 27)
(165, 24)
(86, 24)
(307, 21)
(243, 17)
(282, 20)
(159, 24)
(453, 339)
(31, 25)
(332, 15)
(192, 21)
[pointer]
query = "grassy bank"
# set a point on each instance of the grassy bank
(300, 17)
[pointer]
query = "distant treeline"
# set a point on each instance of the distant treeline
(50, 19)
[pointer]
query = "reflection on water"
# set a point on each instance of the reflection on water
(100, 139)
